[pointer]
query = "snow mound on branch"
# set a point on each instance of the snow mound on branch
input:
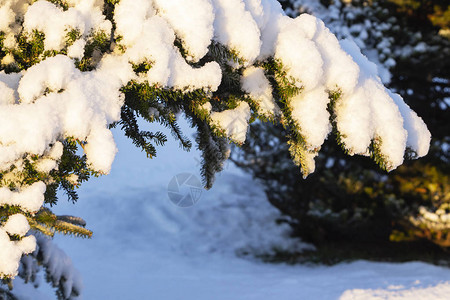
(381, 120)
(8, 88)
(78, 107)
(12, 251)
(236, 28)
(29, 199)
(54, 74)
(418, 135)
(17, 225)
(255, 83)
(84, 16)
(310, 111)
(192, 21)
(149, 38)
(299, 54)
(234, 121)
(6, 17)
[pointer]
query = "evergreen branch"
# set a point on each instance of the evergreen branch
(48, 223)
(215, 151)
(42, 228)
(334, 97)
(7, 294)
(377, 155)
(223, 55)
(285, 88)
(140, 139)
(73, 220)
(71, 229)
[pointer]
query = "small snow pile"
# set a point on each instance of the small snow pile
(84, 17)
(29, 199)
(439, 291)
(12, 251)
(192, 22)
(17, 225)
(149, 37)
(52, 100)
(234, 121)
(255, 83)
(236, 28)
(310, 111)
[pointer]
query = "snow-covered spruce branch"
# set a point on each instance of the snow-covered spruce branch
(72, 69)
(58, 267)
(58, 270)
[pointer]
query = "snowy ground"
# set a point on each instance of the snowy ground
(145, 247)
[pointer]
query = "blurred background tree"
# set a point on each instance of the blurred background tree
(349, 199)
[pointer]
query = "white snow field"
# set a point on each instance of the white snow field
(145, 247)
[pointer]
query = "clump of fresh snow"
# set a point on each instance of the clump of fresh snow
(365, 111)
(235, 28)
(74, 109)
(439, 291)
(12, 251)
(207, 106)
(267, 15)
(418, 135)
(101, 149)
(345, 21)
(76, 50)
(234, 121)
(187, 78)
(6, 17)
(150, 38)
(54, 74)
(353, 120)
(255, 83)
(341, 72)
(383, 119)
(130, 29)
(56, 151)
(30, 198)
(85, 17)
(299, 54)
(8, 88)
(17, 225)
(192, 21)
(46, 165)
(309, 110)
